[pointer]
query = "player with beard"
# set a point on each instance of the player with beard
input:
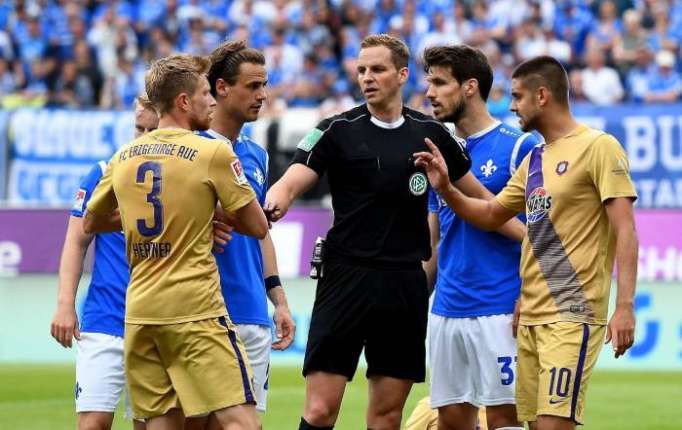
(578, 198)
(183, 356)
(472, 350)
(372, 294)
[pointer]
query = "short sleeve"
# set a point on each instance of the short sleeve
(315, 149)
(103, 200)
(454, 153)
(434, 205)
(87, 186)
(610, 169)
(232, 187)
(527, 142)
(513, 195)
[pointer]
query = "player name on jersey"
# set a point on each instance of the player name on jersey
(151, 249)
(179, 151)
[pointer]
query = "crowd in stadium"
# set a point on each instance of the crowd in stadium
(93, 53)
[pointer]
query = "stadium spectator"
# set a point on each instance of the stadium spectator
(631, 39)
(601, 84)
(637, 79)
(576, 92)
(572, 24)
(607, 29)
(663, 35)
(7, 81)
(665, 84)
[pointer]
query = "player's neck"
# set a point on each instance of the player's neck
(556, 125)
(174, 121)
(226, 125)
(389, 112)
(476, 119)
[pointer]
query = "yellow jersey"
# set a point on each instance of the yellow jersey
(567, 257)
(166, 185)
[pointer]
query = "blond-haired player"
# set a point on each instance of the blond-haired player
(578, 197)
(182, 353)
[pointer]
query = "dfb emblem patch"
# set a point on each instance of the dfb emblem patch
(561, 167)
(418, 184)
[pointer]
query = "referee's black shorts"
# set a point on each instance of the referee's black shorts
(383, 310)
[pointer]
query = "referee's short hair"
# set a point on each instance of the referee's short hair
(226, 59)
(544, 71)
(400, 53)
(464, 63)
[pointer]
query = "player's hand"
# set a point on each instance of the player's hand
(434, 165)
(285, 327)
(64, 326)
(221, 235)
(516, 317)
(621, 329)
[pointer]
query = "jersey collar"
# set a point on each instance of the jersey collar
(387, 125)
(214, 134)
(485, 130)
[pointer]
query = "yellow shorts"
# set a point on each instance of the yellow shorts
(199, 366)
(425, 418)
(554, 365)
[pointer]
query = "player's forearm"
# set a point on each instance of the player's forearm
(513, 229)
(473, 210)
(277, 296)
(431, 269)
(71, 269)
(627, 249)
(267, 248)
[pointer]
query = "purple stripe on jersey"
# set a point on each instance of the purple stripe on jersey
(579, 370)
(535, 178)
(248, 394)
(548, 250)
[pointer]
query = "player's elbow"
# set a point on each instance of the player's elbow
(88, 224)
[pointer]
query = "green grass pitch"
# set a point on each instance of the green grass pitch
(40, 397)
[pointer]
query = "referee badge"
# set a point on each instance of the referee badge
(418, 184)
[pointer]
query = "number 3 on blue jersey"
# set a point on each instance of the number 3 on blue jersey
(152, 197)
(506, 370)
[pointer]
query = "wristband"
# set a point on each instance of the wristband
(272, 282)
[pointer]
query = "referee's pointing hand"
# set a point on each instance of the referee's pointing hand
(434, 165)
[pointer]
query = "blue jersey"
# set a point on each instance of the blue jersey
(241, 263)
(478, 271)
(104, 306)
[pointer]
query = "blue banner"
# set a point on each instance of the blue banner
(652, 138)
(53, 149)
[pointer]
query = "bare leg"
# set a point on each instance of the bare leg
(460, 416)
(501, 416)
(240, 417)
(171, 420)
(549, 422)
(386, 402)
(95, 420)
(323, 395)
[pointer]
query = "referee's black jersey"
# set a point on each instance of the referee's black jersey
(378, 195)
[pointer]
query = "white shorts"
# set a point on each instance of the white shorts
(473, 360)
(100, 375)
(257, 340)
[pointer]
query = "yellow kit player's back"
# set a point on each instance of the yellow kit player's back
(182, 354)
(167, 183)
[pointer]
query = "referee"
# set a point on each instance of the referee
(373, 293)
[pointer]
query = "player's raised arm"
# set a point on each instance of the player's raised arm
(472, 187)
(488, 215)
